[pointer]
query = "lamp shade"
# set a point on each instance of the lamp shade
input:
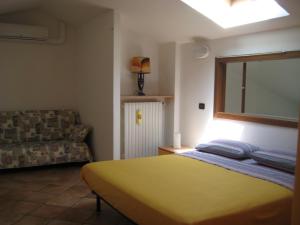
(140, 65)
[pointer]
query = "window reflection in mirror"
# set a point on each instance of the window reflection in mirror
(268, 88)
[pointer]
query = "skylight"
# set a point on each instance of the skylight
(232, 13)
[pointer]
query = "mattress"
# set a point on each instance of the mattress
(173, 190)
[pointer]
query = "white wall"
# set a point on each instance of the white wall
(82, 74)
(135, 44)
(33, 75)
(33, 17)
(197, 82)
(167, 53)
(163, 77)
(169, 84)
(116, 86)
(95, 65)
(161, 80)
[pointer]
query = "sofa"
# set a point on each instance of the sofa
(42, 137)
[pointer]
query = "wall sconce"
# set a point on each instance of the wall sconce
(140, 66)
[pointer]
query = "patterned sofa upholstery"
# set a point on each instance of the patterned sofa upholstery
(40, 137)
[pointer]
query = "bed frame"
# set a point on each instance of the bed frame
(98, 207)
(296, 201)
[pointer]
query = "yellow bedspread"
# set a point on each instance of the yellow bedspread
(173, 190)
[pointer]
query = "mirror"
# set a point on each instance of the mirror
(262, 88)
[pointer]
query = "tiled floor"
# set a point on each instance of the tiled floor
(51, 196)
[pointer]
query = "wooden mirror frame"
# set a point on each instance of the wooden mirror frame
(220, 87)
(296, 200)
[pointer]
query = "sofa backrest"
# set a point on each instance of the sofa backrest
(36, 125)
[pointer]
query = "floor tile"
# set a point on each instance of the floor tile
(14, 184)
(23, 207)
(65, 179)
(65, 199)
(3, 191)
(90, 195)
(105, 217)
(39, 197)
(32, 220)
(7, 204)
(11, 183)
(124, 221)
(32, 186)
(16, 195)
(75, 215)
(8, 218)
(47, 211)
(51, 196)
(61, 222)
(54, 188)
(79, 190)
(86, 204)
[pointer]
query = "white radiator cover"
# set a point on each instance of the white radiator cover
(143, 139)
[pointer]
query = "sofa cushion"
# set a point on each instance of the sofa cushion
(42, 153)
(10, 129)
(56, 124)
(40, 126)
(67, 120)
(36, 125)
(30, 124)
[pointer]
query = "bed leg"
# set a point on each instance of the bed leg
(98, 203)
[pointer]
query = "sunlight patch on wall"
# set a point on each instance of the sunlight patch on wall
(222, 129)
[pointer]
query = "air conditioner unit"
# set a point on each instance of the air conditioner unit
(23, 32)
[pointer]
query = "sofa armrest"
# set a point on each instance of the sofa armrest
(79, 133)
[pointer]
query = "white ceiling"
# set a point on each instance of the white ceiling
(164, 20)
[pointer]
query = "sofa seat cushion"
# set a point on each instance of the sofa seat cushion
(42, 153)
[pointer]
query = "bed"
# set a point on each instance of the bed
(181, 189)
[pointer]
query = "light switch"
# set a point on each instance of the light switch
(202, 106)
